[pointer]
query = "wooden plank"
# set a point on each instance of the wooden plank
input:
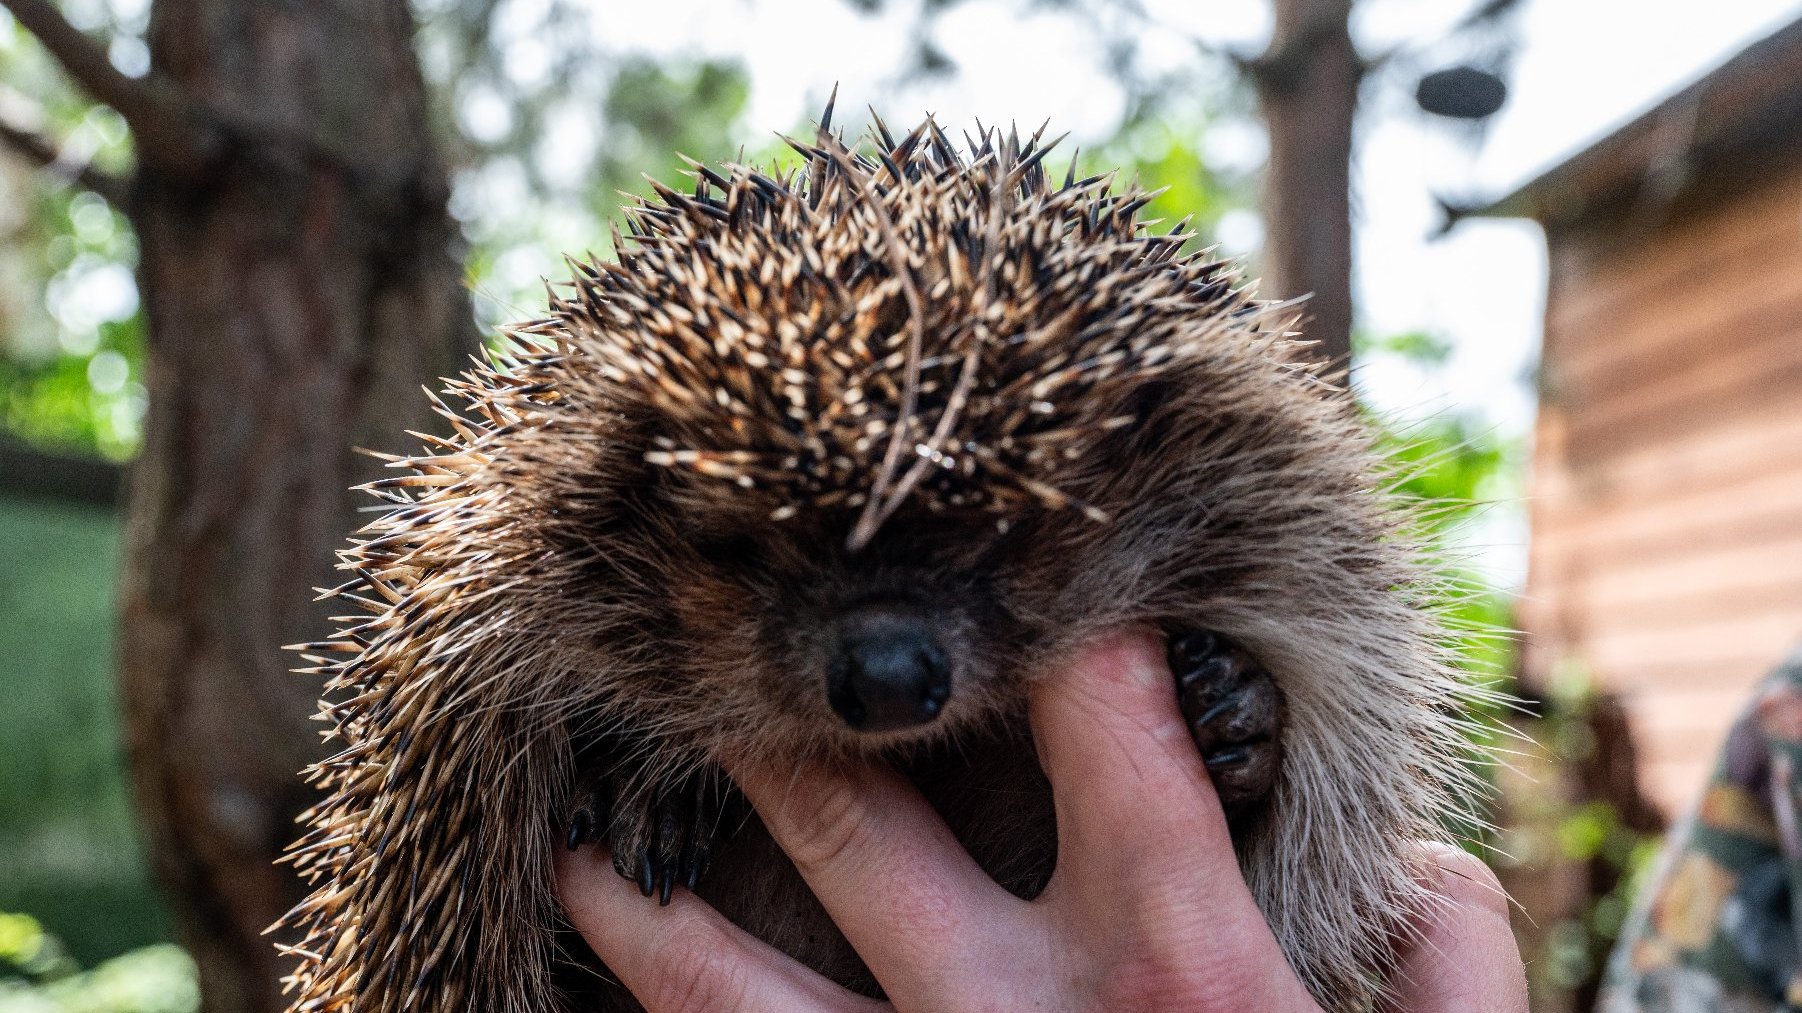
(1672, 786)
(1669, 715)
(1617, 646)
(1724, 490)
(1742, 329)
(1656, 607)
(1689, 732)
(1667, 486)
(1641, 528)
(1739, 667)
(1679, 726)
(1697, 459)
(1618, 274)
(1678, 329)
(1715, 570)
(1569, 563)
(1654, 528)
(1711, 323)
(1678, 732)
(1757, 254)
(1740, 380)
(1709, 647)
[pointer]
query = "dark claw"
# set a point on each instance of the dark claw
(579, 827)
(1227, 758)
(662, 835)
(1189, 650)
(1235, 713)
(1214, 713)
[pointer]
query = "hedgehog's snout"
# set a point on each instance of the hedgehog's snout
(888, 672)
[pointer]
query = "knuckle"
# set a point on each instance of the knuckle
(701, 970)
(1155, 981)
(1164, 964)
(828, 825)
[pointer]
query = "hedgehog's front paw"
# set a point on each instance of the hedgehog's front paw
(1235, 712)
(661, 834)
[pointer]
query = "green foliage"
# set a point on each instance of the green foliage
(71, 372)
(658, 113)
(1165, 154)
(1452, 461)
(90, 403)
(28, 952)
(1418, 347)
(38, 976)
(67, 845)
(1460, 468)
(1590, 839)
(71, 336)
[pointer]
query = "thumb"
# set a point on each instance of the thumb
(1461, 956)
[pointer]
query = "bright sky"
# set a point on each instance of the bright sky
(1583, 68)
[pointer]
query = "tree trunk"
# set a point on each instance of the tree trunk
(1307, 84)
(298, 289)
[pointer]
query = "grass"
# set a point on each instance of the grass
(69, 854)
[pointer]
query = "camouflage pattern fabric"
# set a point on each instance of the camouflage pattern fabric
(1716, 928)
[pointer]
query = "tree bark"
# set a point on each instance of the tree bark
(298, 291)
(1307, 85)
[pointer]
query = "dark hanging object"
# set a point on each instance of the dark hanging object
(1465, 93)
(931, 61)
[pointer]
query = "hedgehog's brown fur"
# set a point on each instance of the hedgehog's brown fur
(941, 367)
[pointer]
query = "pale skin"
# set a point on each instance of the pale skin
(1146, 910)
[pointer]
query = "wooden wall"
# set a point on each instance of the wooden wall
(1667, 491)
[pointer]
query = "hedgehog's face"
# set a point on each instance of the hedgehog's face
(788, 633)
(847, 404)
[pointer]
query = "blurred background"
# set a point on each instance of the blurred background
(1559, 245)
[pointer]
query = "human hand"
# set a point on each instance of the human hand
(1146, 910)
(1461, 956)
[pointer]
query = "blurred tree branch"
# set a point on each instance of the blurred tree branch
(166, 130)
(41, 151)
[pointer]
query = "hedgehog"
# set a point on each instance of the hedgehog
(831, 463)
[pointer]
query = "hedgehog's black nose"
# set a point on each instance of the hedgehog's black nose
(888, 674)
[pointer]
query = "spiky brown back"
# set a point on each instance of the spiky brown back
(870, 329)
(913, 324)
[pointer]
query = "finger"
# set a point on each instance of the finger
(1133, 800)
(913, 903)
(1461, 956)
(686, 957)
